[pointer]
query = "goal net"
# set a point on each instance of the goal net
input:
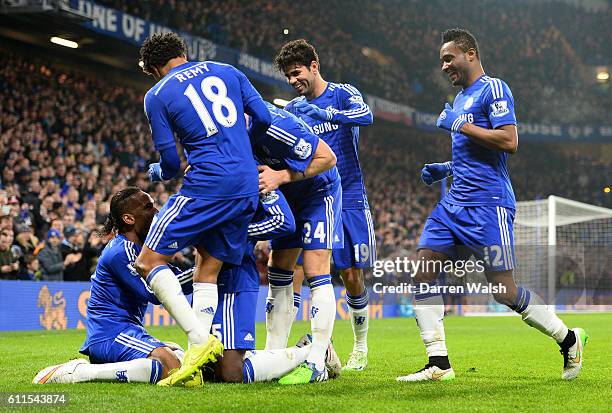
(563, 253)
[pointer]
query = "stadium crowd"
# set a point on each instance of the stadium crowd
(549, 69)
(69, 140)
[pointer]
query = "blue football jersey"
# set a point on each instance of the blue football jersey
(203, 104)
(480, 175)
(119, 296)
(273, 219)
(347, 111)
(290, 144)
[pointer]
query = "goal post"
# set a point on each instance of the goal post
(563, 250)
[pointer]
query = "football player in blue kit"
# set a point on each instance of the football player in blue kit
(477, 214)
(203, 104)
(118, 346)
(303, 166)
(334, 112)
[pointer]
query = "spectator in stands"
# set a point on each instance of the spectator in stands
(26, 240)
(9, 261)
(50, 257)
(75, 244)
(32, 272)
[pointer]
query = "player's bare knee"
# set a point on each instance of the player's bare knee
(284, 259)
(353, 280)
(167, 358)
(504, 298)
(141, 267)
(508, 290)
(317, 262)
(426, 272)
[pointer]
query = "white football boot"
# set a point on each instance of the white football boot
(61, 373)
(429, 373)
(573, 356)
(332, 361)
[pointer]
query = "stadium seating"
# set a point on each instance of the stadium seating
(375, 53)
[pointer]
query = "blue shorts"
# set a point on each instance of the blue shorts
(219, 226)
(132, 343)
(318, 221)
(485, 231)
(234, 321)
(359, 250)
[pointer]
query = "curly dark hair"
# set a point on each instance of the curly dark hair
(298, 52)
(156, 50)
(462, 38)
(118, 206)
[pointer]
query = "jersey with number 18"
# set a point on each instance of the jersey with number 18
(203, 103)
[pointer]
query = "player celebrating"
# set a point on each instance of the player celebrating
(478, 211)
(203, 103)
(119, 347)
(334, 112)
(303, 165)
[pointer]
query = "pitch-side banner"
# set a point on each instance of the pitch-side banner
(30, 305)
(396, 112)
(135, 30)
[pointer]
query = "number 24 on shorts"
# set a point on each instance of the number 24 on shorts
(319, 232)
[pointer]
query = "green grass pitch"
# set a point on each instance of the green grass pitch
(501, 365)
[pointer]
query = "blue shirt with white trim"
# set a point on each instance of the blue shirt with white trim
(290, 144)
(203, 104)
(273, 219)
(346, 112)
(480, 175)
(119, 296)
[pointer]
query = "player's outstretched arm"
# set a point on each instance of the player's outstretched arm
(254, 105)
(356, 112)
(276, 218)
(260, 116)
(323, 160)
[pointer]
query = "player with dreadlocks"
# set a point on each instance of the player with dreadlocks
(118, 346)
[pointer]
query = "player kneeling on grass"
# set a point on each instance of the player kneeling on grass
(118, 346)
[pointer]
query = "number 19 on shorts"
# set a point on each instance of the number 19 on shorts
(362, 252)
